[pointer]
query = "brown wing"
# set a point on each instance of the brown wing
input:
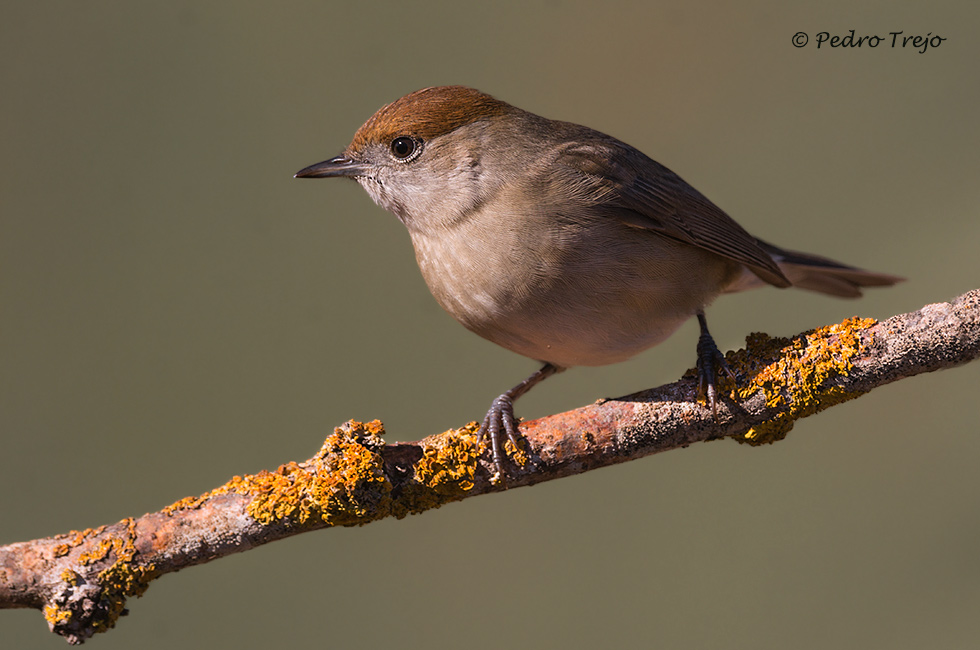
(657, 199)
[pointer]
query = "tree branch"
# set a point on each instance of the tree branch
(81, 580)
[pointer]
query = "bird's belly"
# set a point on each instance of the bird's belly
(590, 324)
(575, 308)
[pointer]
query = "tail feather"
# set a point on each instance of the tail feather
(820, 274)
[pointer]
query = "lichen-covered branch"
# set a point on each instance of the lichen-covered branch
(81, 580)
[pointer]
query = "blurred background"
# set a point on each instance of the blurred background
(175, 309)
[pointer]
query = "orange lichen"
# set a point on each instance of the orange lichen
(100, 552)
(187, 503)
(192, 503)
(448, 463)
(445, 472)
(55, 615)
(70, 577)
(799, 379)
(343, 484)
(122, 579)
(517, 454)
(75, 538)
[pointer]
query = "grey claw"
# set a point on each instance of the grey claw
(500, 416)
(710, 360)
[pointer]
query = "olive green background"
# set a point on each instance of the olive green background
(175, 309)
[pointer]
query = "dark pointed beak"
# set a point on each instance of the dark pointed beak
(336, 166)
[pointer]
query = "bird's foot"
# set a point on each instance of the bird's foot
(710, 362)
(500, 426)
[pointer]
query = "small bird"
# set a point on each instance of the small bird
(559, 242)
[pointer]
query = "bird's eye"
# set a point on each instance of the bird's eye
(404, 148)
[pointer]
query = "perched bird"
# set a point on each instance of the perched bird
(559, 242)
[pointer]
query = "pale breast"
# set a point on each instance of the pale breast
(582, 292)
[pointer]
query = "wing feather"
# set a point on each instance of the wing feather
(645, 194)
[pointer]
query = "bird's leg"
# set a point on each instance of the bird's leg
(500, 419)
(710, 360)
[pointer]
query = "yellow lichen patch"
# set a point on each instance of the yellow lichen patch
(55, 615)
(119, 582)
(517, 454)
(100, 552)
(191, 503)
(122, 579)
(798, 379)
(187, 503)
(70, 577)
(75, 538)
(448, 463)
(343, 485)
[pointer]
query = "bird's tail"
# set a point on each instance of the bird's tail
(819, 274)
